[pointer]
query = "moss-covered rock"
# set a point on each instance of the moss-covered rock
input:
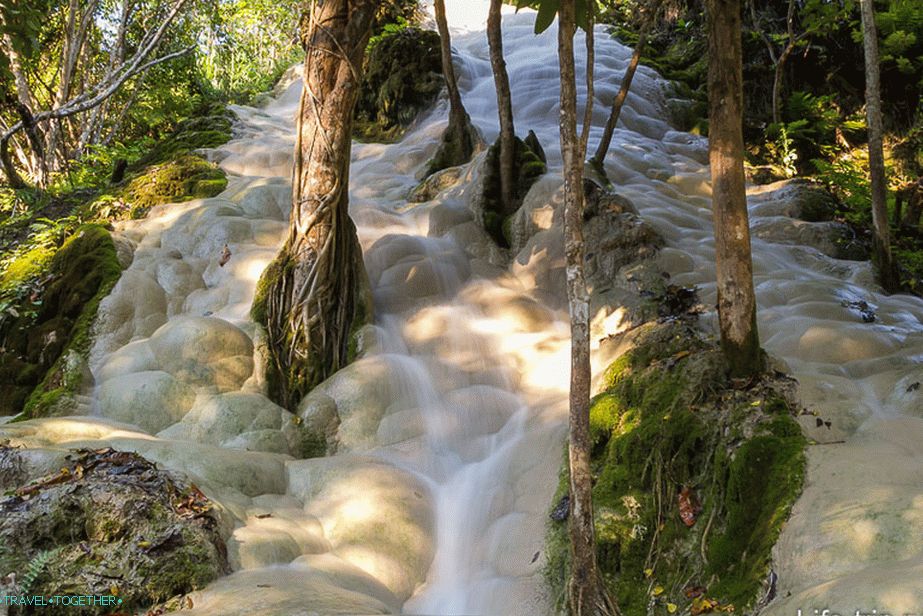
(110, 523)
(812, 202)
(694, 478)
(403, 76)
(44, 345)
(181, 179)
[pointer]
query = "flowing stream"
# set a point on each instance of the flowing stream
(452, 422)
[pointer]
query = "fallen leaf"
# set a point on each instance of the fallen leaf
(703, 605)
(689, 507)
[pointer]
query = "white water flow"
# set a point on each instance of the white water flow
(451, 425)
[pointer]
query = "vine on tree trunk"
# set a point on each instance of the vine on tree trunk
(315, 293)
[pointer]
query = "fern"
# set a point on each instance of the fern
(35, 568)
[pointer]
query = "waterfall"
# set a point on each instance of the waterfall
(437, 499)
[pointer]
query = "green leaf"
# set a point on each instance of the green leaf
(546, 14)
(580, 13)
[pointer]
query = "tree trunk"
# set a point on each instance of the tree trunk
(887, 273)
(606, 141)
(790, 45)
(777, 85)
(586, 594)
(505, 107)
(736, 299)
(590, 75)
(314, 289)
(457, 111)
(460, 138)
(9, 168)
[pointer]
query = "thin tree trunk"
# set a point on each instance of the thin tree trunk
(619, 101)
(586, 595)
(314, 295)
(456, 107)
(460, 138)
(736, 299)
(9, 168)
(780, 63)
(777, 86)
(505, 107)
(882, 242)
(590, 72)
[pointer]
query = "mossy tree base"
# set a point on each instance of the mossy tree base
(528, 166)
(673, 439)
(459, 142)
(290, 386)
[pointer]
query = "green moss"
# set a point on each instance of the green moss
(313, 444)
(763, 480)
(210, 127)
(617, 370)
(605, 410)
(267, 281)
(27, 267)
(457, 145)
(182, 179)
(86, 268)
(667, 421)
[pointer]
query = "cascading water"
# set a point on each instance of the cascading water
(451, 424)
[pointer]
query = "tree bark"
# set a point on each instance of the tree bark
(505, 107)
(736, 298)
(586, 594)
(619, 101)
(457, 111)
(9, 168)
(590, 74)
(314, 292)
(460, 138)
(780, 63)
(887, 273)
